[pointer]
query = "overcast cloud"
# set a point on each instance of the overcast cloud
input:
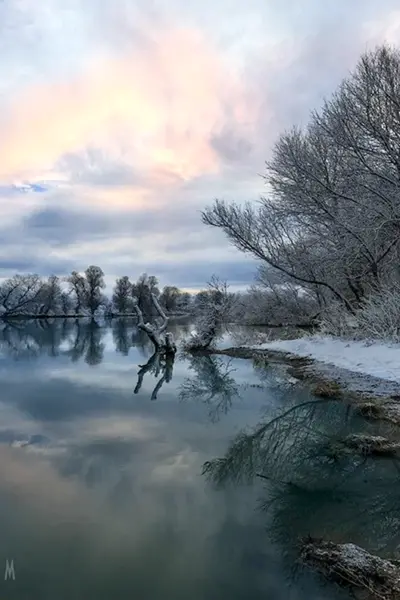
(124, 119)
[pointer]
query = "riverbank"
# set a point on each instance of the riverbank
(362, 372)
(375, 360)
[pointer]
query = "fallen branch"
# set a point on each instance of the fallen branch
(162, 343)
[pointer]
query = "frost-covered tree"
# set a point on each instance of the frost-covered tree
(122, 296)
(200, 300)
(276, 301)
(50, 296)
(77, 285)
(94, 286)
(184, 302)
(66, 303)
(142, 291)
(86, 290)
(20, 295)
(331, 222)
(212, 309)
(170, 297)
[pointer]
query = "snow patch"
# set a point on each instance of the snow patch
(375, 359)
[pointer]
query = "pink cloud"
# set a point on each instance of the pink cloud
(155, 109)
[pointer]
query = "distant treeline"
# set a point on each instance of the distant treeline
(82, 294)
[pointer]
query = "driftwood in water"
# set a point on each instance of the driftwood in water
(353, 567)
(162, 361)
(163, 342)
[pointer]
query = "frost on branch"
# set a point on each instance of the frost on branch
(214, 309)
(379, 315)
(377, 318)
(331, 223)
(162, 360)
(336, 321)
(163, 342)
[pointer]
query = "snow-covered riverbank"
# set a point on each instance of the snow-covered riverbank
(376, 360)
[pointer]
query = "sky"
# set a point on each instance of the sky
(120, 121)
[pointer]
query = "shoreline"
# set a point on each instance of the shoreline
(374, 397)
(342, 561)
(89, 317)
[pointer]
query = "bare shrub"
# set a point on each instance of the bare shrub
(337, 321)
(379, 317)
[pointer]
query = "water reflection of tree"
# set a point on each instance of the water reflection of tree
(94, 345)
(212, 384)
(120, 336)
(87, 342)
(311, 489)
(180, 328)
(20, 339)
(30, 340)
(158, 364)
(127, 335)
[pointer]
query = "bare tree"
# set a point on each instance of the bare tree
(142, 290)
(20, 295)
(94, 285)
(170, 297)
(122, 296)
(50, 296)
(276, 301)
(78, 290)
(184, 302)
(331, 223)
(66, 303)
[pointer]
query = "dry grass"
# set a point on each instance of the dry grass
(371, 445)
(353, 567)
(327, 389)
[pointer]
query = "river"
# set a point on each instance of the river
(102, 486)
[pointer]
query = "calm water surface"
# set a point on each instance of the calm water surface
(101, 486)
